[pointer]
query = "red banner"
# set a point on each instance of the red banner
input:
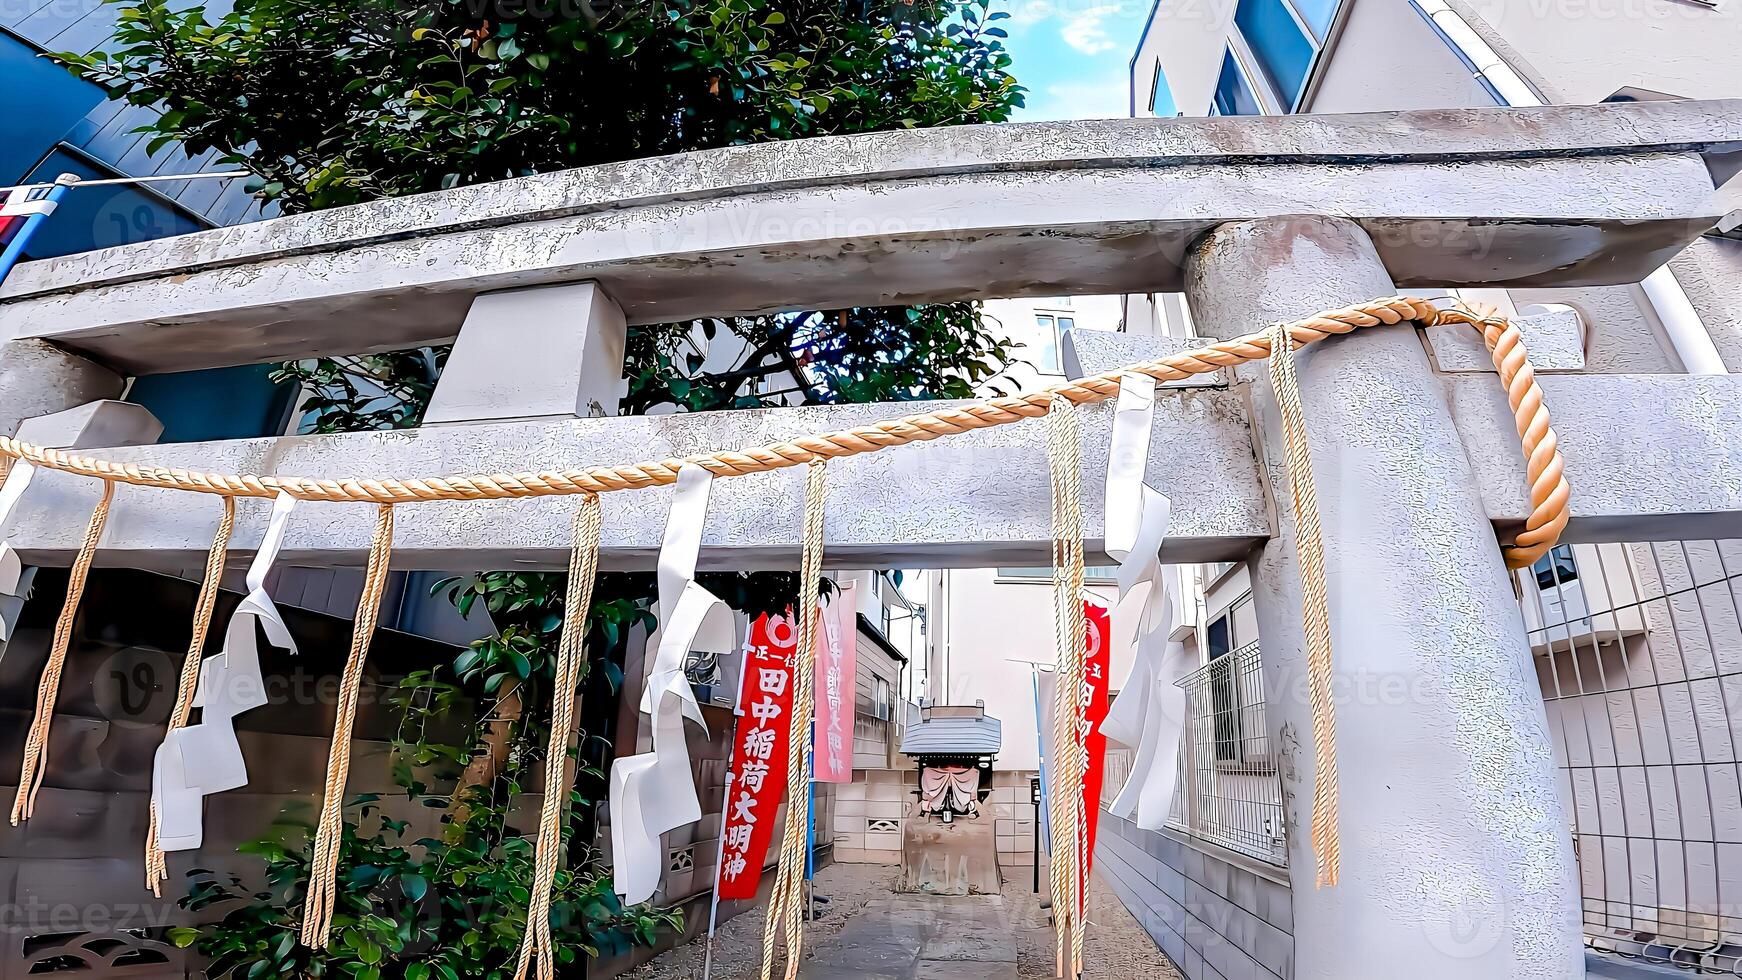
(757, 780)
(1097, 665)
(837, 659)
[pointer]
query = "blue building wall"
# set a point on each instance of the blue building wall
(73, 127)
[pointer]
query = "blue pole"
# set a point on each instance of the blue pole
(15, 249)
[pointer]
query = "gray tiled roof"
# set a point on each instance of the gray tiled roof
(954, 736)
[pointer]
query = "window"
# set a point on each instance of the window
(1230, 676)
(1048, 361)
(1234, 95)
(1556, 568)
(1316, 14)
(1279, 44)
(880, 704)
(1160, 95)
(1236, 627)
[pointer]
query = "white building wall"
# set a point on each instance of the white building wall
(1389, 40)
(990, 631)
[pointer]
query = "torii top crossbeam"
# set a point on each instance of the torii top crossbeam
(1549, 196)
(1524, 197)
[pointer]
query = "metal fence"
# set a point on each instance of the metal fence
(1638, 649)
(1229, 791)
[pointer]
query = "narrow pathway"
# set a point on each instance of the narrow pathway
(921, 937)
(867, 930)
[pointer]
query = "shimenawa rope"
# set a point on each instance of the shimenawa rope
(570, 668)
(1549, 494)
(1547, 490)
(156, 866)
(786, 912)
(48, 691)
(1315, 606)
(322, 900)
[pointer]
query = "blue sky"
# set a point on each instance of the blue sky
(1073, 55)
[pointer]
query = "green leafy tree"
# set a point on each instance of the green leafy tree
(334, 102)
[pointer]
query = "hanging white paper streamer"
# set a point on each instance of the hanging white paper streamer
(653, 792)
(198, 760)
(15, 579)
(1149, 710)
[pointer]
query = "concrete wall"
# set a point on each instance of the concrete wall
(1215, 914)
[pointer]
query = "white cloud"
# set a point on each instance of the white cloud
(1105, 99)
(1086, 29)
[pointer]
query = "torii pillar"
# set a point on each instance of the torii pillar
(1456, 855)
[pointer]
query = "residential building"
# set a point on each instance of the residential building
(1636, 645)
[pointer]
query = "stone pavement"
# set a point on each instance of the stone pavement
(921, 937)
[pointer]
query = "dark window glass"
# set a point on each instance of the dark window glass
(1233, 96)
(98, 217)
(1317, 14)
(1556, 568)
(1283, 51)
(1219, 638)
(45, 100)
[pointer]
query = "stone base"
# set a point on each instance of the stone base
(955, 858)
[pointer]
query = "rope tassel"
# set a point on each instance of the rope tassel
(156, 866)
(571, 667)
(48, 691)
(317, 915)
(1065, 457)
(1315, 606)
(786, 901)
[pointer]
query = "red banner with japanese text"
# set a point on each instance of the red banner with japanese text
(1097, 665)
(837, 660)
(757, 780)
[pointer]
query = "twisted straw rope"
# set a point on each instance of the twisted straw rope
(1315, 608)
(571, 666)
(156, 865)
(322, 899)
(1548, 493)
(1065, 457)
(785, 902)
(1544, 467)
(48, 691)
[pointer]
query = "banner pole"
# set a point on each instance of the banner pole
(810, 836)
(725, 807)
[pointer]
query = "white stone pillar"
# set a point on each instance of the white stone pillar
(1456, 854)
(531, 353)
(37, 378)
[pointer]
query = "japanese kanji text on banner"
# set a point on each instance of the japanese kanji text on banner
(757, 779)
(832, 759)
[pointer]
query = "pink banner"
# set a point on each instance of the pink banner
(837, 659)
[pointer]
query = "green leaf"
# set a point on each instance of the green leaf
(183, 937)
(415, 886)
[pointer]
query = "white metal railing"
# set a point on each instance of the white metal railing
(1229, 793)
(1638, 649)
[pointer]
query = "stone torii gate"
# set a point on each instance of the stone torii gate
(1451, 819)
